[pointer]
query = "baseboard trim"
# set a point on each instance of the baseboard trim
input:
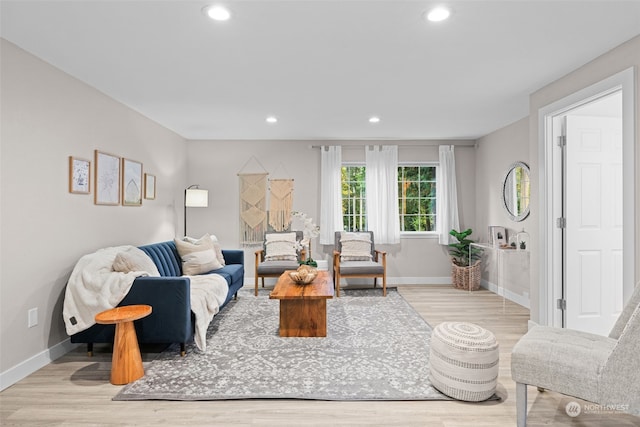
(29, 366)
(391, 281)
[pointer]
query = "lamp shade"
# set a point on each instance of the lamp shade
(196, 198)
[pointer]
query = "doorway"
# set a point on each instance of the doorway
(588, 234)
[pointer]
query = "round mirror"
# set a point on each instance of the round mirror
(516, 191)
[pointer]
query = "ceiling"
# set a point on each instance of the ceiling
(321, 67)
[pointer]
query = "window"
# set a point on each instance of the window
(416, 198)
(354, 208)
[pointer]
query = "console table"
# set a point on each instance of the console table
(505, 270)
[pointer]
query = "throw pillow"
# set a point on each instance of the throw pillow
(355, 247)
(280, 247)
(134, 259)
(216, 246)
(218, 249)
(198, 257)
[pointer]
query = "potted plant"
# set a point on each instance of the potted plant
(465, 265)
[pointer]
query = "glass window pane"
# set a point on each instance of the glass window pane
(427, 189)
(427, 173)
(430, 223)
(412, 190)
(412, 206)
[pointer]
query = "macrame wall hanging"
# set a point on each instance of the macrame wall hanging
(253, 205)
(280, 203)
(253, 208)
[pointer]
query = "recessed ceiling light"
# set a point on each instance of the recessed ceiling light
(374, 119)
(438, 14)
(217, 13)
(272, 119)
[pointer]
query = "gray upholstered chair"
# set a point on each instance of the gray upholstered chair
(275, 268)
(375, 267)
(602, 370)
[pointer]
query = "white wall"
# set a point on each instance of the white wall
(622, 57)
(215, 165)
(47, 116)
(495, 153)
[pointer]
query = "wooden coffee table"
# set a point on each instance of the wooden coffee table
(303, 308)
(126, 365)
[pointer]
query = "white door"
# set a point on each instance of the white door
(594, 218)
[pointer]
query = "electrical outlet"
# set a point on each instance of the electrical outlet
(32, 317)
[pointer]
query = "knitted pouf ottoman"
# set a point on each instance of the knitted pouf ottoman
(463, 361)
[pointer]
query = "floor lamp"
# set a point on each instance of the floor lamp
(194, 197)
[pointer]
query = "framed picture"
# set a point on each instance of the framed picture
(149, 186)
(79, 175)
(107, 179)
(497, 235)
(131, 183)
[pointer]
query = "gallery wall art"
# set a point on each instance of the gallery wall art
(131, 183)
(107, 179)
(79, 175)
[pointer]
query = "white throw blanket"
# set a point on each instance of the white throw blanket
(208, 293)
(94, 287)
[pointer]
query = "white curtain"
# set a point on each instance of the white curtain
(330, 193)
(382, 193)
(447, 196)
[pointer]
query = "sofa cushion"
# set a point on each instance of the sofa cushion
(231, 272)
(198, 257)
(276, 267)
(361, 267)
(133, 259)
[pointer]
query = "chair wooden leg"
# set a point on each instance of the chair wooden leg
(375, 282)
(263, 282)
(337, 285)
(256, 280)
(183, 349)
(384, 285)
(521, 405)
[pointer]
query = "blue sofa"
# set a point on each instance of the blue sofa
(171, 320)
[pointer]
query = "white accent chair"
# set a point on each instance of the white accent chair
(599, 369)
(275, 268)
(373, 268)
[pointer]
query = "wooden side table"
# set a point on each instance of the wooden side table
(126, 363)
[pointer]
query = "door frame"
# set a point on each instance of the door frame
(550, 168)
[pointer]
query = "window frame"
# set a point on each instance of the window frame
(421, 234)
(355, 164)
(407, 234)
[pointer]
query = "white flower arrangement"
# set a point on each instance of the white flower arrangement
(309, 229)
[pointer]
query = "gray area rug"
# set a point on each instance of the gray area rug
(376, 348)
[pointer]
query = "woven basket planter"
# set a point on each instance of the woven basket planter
(467, 278)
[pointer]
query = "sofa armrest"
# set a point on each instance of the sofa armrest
(233, 256)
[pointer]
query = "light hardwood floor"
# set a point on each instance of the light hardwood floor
(75, 389)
